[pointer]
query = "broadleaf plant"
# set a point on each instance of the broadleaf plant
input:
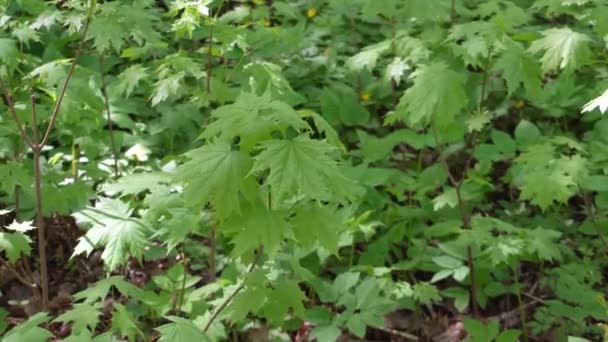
(303, 170)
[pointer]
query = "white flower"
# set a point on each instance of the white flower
(139, 152)
(600, 102)
(4, 211)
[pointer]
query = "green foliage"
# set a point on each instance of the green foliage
(261, 170)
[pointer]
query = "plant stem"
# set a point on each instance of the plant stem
(228, 300)
(520, 303)
(464, 215)
(68, 77)
(209, 60)
(11, 106)
(37, 150)
(213, 251)
(75, 156)
(453, 12)
(106, 101)
(179, 299)
(16, 274)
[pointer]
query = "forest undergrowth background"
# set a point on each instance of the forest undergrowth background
(306, 170)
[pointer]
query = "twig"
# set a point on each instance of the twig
(106, 101)
(213, 252)
(506, 316)
(465, 217)
(520, 303)
(37, 151)
(453, 12)
(403, 334)
(17, 275)
(11, 106)
(68, 77)
(236, 292)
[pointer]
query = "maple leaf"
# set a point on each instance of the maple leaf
(519, 68)
(436, 96)
(286, 296)
(257, 226)
(25, 34)
(267, 78)
(82, 316)
(22, 227)
(251, 299)
(396, 70)
(302, 165)
(368, 56)
(106, 30)
(562, 49)
(30, 330)
(8, 51)
(542, 242)
(252, 118)
(544, 178)
(313, 224)
(181, 330)
(136, 183)
(216, 174)
(124, 324)
(14, 244)
(112, 228)
(130, 78)
(100, 290)
(600, 102)
(166, 87)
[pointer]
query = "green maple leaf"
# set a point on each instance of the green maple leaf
(124, 323)
(600, 102)
(252, 118)
(519, 68)
(8, 51)
(15, 244)
(113, 228)
(542, 242)
(257, 226)
(137, 183)
(286, 297)
(166, 87)
(82, 316)
(436, 96)
(29, 330)
(562, 48)
(302, 166)
(544, 178)
(425, 293)
(129, 79)
(181, 330)
(267, 77)
(317, 224)
(12, 174)
(251, 299)
(216, 174)
(106, 30)
(100, 290)
(25, 34)
(368, 56)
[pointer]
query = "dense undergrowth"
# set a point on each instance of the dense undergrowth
(388, 170)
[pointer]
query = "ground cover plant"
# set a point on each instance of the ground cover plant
(306, 170)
